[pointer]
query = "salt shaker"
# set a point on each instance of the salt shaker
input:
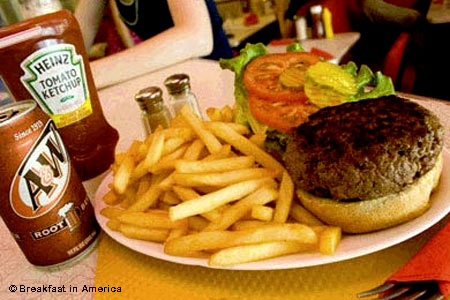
(301, 27)
(179, 89)
(154, 111)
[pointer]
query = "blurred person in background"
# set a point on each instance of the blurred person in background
(168, 32)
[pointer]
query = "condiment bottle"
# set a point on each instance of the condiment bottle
(44, 58)
(327, 23)
(317, 24)
(154, 112)
(301, 27)
(179, 89)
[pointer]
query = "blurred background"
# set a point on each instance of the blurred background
(405, 39)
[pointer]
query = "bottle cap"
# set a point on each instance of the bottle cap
(177, 83)
(148, 97)
(316, 9)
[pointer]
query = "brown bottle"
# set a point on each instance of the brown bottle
(44, 59)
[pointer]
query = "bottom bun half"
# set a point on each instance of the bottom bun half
(380, 213)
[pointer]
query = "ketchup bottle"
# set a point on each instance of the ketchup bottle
(44, 59)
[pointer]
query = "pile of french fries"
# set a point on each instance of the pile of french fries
(208, 189)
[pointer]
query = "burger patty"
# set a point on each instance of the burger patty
(364, 150)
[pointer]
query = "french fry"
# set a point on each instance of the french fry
(113, 224)
(167, 183)
(242, 144)
(141, 233)
(213, 200)
(111, 212)
(129, 196)
(146, 200)
(221, 179)
(197, 223)
(167, 163)
(111, 198)
(143, 185)
(157, 179)
(177, 232)
(153, 155)
(329, 240)
(186, 194)
(133, 151)
(172, 144)
(123, 174)
(169, 197)
(194, 150)
(250, 253)
(149, 219)
(210, 240)
(223, 153)
(239, 128)
(185, 133)
(118, 158)
(178, 122)
(219, 165)
(249, 224)
(155, 151)
(237, 211)
(227, 113)
(211, 142)
(214, 114)
(261, 212)
(207, 189)
(302, 215)
(258, 139)
(284, 201)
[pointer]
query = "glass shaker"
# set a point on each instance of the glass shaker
(179, 89)
(154, 111)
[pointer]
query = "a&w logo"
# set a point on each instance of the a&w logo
(42, 178)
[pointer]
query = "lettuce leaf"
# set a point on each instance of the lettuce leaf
(382, 84)
(294, 47)
(383, 87)
(350, 67)
(237, 65)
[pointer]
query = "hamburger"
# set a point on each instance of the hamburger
(360, 157)
(367, 165)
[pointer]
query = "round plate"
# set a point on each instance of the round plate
(351, 246)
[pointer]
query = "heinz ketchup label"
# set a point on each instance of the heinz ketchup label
(55, 76)
(42, 178)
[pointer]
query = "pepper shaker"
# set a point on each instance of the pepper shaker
(154, 111)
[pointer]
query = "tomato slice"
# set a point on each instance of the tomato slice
(261, 76)
(281, 115)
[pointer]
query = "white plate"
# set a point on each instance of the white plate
(351, 246)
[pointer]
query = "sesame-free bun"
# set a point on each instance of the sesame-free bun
(378, 213)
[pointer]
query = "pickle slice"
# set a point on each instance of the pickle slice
(327, 84)
(332, 76)
(293, 78)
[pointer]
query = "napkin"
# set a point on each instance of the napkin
(432, 262)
